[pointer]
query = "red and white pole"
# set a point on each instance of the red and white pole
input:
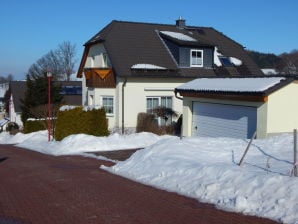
(49, 75)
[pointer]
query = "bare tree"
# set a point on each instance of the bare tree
(164, 113)
(60, 62)
(41, 112)
(290, 63)
(6, 79)
(48, 62)
(67, 53)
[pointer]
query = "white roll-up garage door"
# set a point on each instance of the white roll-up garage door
(222, 120)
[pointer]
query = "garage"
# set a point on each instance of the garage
(237, 107)
(223, 120)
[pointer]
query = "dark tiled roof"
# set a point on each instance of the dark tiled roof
(18, 89)
(130, 43)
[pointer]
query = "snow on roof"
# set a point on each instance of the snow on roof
(232, 84)
(269, 71)
(236, 61)
(147, 66)
(4, 121)
(218, 55)
(179, 36)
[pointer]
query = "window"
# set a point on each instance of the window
(104, 60)
(71, 90)
(108, 104)
(91, 100)
(196, 58)
(92, 61)
(154, 102)
(166, 102)
(225, 61)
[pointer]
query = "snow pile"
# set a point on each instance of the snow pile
(206, 169)
(67, 107)
(178, 36)
(202, 168)
(80, 143)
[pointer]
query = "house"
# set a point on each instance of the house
(3, 89)
(17, 91)
(131, 67)
(237, 107)
(71, 91)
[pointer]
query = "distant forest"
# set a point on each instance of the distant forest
(286, 63)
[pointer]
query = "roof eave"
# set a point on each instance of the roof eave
(235, 96)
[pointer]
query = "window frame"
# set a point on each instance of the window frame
(104, 58)
(92, 61)
(226, 61)
(106, 106)
(191, 58)
(159, 119)
(91, 100)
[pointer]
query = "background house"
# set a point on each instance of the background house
(131, 67)
(3, 119)
(237, 107)
(17, 91)
(3, 88)
(71, 91)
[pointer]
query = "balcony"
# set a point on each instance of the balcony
(100, 77)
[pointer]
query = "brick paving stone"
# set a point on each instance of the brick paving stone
(43, 189)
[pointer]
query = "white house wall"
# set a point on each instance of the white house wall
(283, 109)
(96, 95)
(84, 92)
(187, 116)
(137, 90)
(95, 57)
(13, 115)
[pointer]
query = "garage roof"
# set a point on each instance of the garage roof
(256, 85)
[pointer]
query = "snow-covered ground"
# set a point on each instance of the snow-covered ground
(202, 168)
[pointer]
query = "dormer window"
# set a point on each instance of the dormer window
(225, 61)
(196, 58)
(92, 61)
(104, 60)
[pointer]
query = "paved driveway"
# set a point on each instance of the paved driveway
(37, 188)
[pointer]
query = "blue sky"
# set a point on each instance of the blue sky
(29, 29)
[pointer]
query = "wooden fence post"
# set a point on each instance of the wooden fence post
(247, 148)
(295, 154)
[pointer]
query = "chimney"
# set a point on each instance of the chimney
(180, 23)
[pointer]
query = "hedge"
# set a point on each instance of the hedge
(34, 125)
(77, 120)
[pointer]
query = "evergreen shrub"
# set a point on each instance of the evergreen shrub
(33, 126)
(77, 120)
